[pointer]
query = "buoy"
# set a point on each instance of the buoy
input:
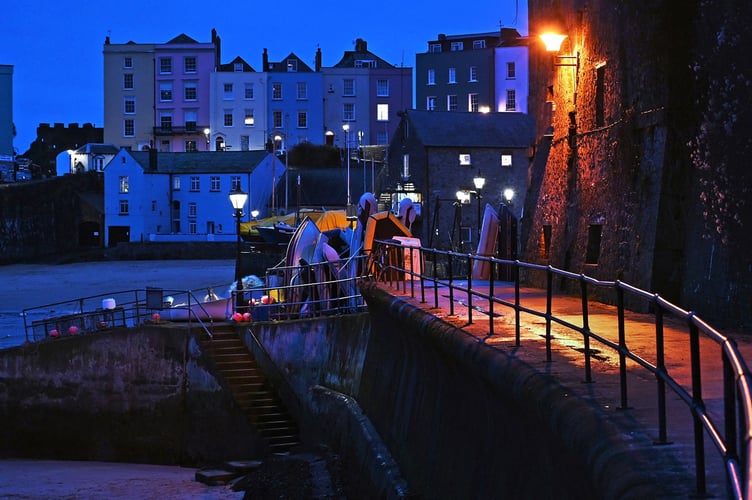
(73, 329)
(247, 317)
(265, 299)
(54, 333)
(237, 317)
(156, 317)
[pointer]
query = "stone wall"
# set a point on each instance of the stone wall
(146, 395)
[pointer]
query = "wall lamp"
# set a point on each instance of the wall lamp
(553, 42)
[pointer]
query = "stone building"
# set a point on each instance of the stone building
(639, 173)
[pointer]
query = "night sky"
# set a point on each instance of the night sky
(55, 46)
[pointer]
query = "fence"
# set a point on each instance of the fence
(421, 272)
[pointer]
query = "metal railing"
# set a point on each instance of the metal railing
(308, 291)
(101, 312)
(425, 270)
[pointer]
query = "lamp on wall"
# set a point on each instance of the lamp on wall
(553, 41)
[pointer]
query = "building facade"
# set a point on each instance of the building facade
(156, 196)
(435, 154)
(482, 72)
(6, 110)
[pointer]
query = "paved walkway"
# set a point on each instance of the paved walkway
(639, 420)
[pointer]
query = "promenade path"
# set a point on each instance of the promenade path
(639, 421)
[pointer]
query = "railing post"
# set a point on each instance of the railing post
(491, 297)
(517, 302)
(729, 405)
(451, 285)
(622, 346)
(421, 260)
(412, 272)
(469, 289)
(435, 281)
(660, 365)
(549, 297)
(694, 348)
(586, 329)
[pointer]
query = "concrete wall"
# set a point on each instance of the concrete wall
(147, 395)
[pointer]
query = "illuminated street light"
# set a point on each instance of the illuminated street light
(346, 128)
(238, 198)
(479, 181)
(207, 134)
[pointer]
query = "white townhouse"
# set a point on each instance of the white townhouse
(90, 157)
(163, 196)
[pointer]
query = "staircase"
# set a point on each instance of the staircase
(251, 390)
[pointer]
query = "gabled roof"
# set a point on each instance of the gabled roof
(182, 38)
(458, 129)
(98, 149)
(361, 53)
(222, 162)
(281, 66)
(230, 67)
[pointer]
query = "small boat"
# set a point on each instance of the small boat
(217, 310)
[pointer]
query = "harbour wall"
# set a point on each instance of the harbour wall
(415, 407)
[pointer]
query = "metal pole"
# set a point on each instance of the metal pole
(347, 141)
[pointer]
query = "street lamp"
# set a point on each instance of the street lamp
(207, 134)
(360, 145)
(346, 128)
(479, 181)
(238, 198)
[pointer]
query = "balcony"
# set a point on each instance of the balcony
(185, 130)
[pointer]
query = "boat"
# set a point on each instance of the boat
(215, 309)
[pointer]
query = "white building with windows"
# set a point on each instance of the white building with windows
(155, 196)
(90, 157)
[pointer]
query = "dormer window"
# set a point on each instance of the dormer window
(237, 67)
(292, 65)
(479, 44)
(365, 63)
(457, 46)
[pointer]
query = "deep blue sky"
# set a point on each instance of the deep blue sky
(55, 46)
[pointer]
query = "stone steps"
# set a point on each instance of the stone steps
(251, 390)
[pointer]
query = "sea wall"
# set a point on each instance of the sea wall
(146, 395)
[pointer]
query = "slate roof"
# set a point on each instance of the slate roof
(230, 67)
(98, 149)
(281, 66)
(458, 129)
(181, 39)
(226, 162)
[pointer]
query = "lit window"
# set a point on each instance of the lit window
(405, 166)
(452, 75)
(472, 103)
(465, 159)
(292, 65)
(431, 77)
(123, 183)
(176, 183)
(506, 160)
(249, 120)
(473, 73)
(382, 112)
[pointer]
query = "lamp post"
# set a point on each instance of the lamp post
(346, 128)
(238, 198)
(479, 181)
(207, 134)
(275, 139)
(360, 145)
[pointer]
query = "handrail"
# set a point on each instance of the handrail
(732, 438)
